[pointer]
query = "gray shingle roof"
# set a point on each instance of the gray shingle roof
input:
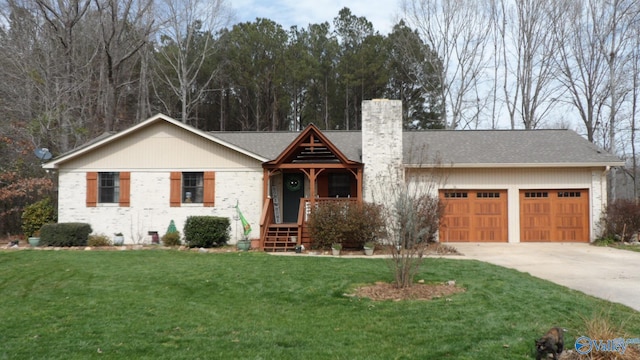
(460, 147)
(271, 144)
(509, 147)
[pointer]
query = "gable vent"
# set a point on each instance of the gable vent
(312, 150)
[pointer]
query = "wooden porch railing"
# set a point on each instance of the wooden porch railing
(266, 220)
(272, 231)
(308, 203)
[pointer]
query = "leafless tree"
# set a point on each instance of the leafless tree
(64, 86)
(619, 17)
(634, 111)
(498, 37)
(125, 27)
(186, 35)
(527, 51)
(47, 74)
(458, 31)
(412, 211)
(593, 47)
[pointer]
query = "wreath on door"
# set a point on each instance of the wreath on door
(294, 183)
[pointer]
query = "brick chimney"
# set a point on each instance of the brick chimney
(381, 145)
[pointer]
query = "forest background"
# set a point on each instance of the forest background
(72, 70)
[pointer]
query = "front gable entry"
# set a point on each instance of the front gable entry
(329, 174)
(312, 154)
(310, 147)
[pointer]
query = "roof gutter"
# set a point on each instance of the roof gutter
(515, 165)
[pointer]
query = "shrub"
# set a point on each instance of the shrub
(206, 231)
(36, 215)
(20, 187)
(345, 222)
(601, 326)
(419, 218)
(621, 220)
(171, 239)
(99, 240)
(65, 234)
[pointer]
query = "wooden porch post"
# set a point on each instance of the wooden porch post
(312, 186)
(265, 184)
(359, 184)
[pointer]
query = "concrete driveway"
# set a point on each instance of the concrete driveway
(606, 273)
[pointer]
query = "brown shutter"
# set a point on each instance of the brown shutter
(209, 189)
(92, 189)
(125, 189)
(176, 189)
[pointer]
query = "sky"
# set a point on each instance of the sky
(381, 13)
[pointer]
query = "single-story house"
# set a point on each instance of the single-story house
(501, 185)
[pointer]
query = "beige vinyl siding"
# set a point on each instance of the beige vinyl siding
(520, 177)
(516, 179)
(166, 147)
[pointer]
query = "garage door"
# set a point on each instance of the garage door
(554, 215)
(474, 216)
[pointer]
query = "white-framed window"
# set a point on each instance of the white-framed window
(192, 187)
(108, 187)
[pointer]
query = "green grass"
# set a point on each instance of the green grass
(616, 245)
(167, 305)
(626, 247)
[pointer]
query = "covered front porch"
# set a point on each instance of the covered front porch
(310, 171)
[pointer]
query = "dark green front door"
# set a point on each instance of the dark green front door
(293, 190)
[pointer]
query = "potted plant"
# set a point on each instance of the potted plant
(335, 249)
(244, 244)
(34, 239)
(118, 239)
(369, 246)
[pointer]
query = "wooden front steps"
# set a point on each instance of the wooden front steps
(281, 237)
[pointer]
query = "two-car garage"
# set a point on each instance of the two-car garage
(558, 215)
(554, 215)
(474, 216)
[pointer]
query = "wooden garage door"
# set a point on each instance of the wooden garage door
(554, 215)
(474, 216)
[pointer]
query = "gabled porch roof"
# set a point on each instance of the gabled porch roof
(311, 149)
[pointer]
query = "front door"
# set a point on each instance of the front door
(293, 190)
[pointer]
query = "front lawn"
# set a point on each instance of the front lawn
(158, 304)
(626, 247)
(617, 245)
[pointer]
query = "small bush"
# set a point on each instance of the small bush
(36, 215)
(606, 241)
(65, 234)
(621, 220)
(99, 240)
(345, 222)
(207, 231)
(419, 218)
(171, 239)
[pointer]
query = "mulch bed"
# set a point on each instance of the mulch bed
(381, 291)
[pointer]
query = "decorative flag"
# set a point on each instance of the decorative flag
(246, 227)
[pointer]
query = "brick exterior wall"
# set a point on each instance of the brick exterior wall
(149, 209)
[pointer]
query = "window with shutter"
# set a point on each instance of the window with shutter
(108, 188)
(92, 189)
(192, 188)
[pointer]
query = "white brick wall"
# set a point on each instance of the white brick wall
(381, 145)
(598, 201)
(150, 210)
